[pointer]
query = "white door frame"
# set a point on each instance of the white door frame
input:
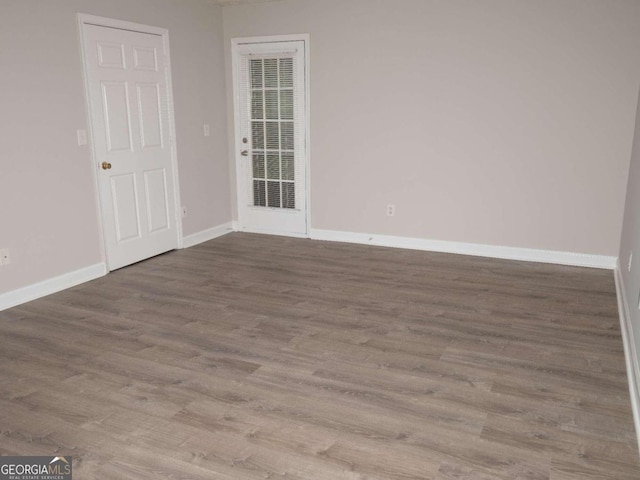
(86, 19)
(237, 138)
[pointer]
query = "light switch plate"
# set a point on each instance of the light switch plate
(82, 137)
(207, 130)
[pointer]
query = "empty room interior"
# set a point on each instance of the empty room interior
(321, 239)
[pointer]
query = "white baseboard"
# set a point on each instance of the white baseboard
(266, 231)
(71, 279)
(493, 251)
(630, 353)
(206, 235)
(51, 285)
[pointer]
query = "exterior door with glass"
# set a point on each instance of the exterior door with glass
(271, 137)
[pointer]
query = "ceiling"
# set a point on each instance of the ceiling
(236, 2)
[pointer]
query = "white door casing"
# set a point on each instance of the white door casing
(270, 82)
(128, 79)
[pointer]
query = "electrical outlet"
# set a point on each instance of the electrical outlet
(5, 259)
(391, 210)
(184, 212)
(630, 260)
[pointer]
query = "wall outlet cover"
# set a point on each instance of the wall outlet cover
(5, 259)
(391, 210)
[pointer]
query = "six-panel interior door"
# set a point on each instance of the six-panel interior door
(130, 123)
(271, 149)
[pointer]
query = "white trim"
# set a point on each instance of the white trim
(480, 250)
(630, 353)
(177, 212)
(82, 19)
(235, 66)
(206, 235)
(52, 285)
(307, 108)
(294, 37)
(266, 231)
(86, 19)
(237, 128)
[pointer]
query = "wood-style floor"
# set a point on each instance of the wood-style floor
(258, 357)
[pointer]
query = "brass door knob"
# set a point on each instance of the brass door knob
(106, 165)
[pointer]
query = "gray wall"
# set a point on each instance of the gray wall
(48, 215)
(496, 122)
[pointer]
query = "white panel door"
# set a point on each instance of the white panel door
(271, 103)
(131, 132)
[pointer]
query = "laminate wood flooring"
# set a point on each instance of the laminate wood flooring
(262, 357)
